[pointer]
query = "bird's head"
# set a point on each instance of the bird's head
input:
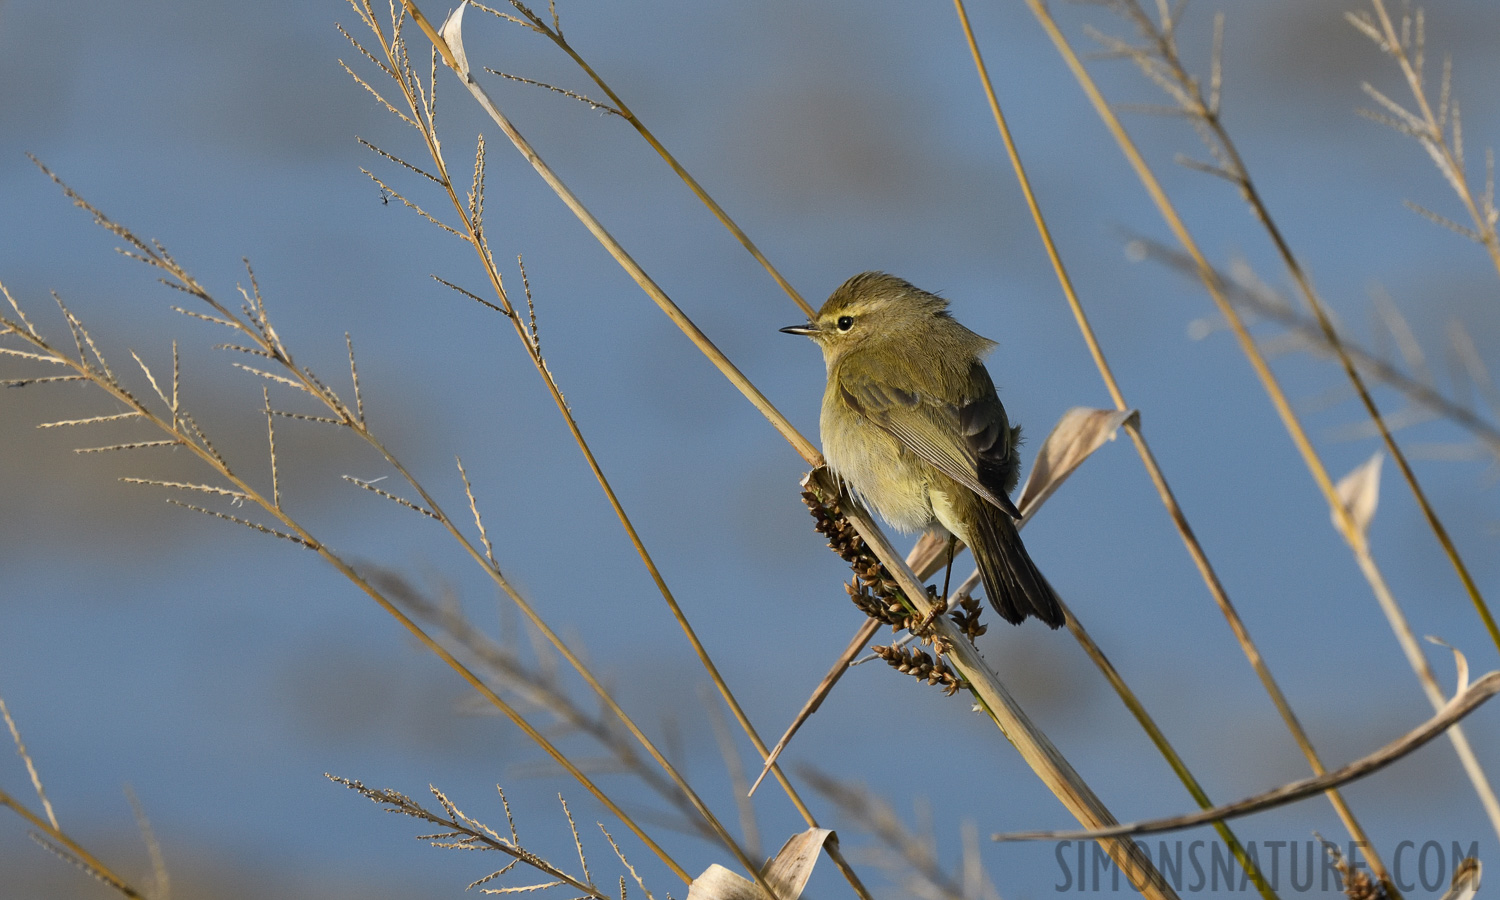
(875, 309)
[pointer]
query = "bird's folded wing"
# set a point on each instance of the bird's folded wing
(953, 438)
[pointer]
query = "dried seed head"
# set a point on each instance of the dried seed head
(966, 617)
(921, 665)
(1358, 885)
(874, 592)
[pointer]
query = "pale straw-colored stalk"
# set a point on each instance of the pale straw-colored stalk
(72, 851)
(473, 230)
(1158, 477)
(421, 106)
(554, 34)
(1230, 165)
(1257, 360)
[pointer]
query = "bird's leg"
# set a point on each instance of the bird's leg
(948, 572)
(941, 607)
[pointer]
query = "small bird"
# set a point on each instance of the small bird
(912, 425)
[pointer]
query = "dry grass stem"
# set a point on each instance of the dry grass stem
(1160, 61)
(1219, 295)
(992, 696)
(529, 336)
(48, 833)
(537, 687)
(1158, 477)
(1466, 700)
(738, 783)
(1072, 440)
(31, 772)
(554, 33)
(1256, 300)
(161, 882)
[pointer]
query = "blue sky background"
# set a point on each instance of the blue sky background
(219, 674)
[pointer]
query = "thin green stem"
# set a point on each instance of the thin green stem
(1179, 519)
(89, 861)
(1283, 406)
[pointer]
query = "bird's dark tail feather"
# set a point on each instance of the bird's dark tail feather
(1015, 587)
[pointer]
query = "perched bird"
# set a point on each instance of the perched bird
(912, 425)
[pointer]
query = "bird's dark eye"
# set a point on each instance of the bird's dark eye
(845, 323)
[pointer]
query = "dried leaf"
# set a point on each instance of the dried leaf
(1465, 881)
(1076, 436)
(1359, 492)
(718, 883)
(1459, 660)
(1452, 712)
(453, 33)
(787, 873)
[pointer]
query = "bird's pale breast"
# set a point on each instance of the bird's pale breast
(885, 475)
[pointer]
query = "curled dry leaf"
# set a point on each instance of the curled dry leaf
(1465, 881)
(453, 33)
(1459, 660)
(786, 873)
(1359, 492)
(1074, 438)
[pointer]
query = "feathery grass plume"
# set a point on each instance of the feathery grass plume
(463, 832)
(1437, 127)
(397, 67)
(254, 328)
(47, 833)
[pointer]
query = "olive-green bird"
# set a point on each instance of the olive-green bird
(912, 425)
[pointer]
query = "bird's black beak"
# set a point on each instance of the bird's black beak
(807, 330)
